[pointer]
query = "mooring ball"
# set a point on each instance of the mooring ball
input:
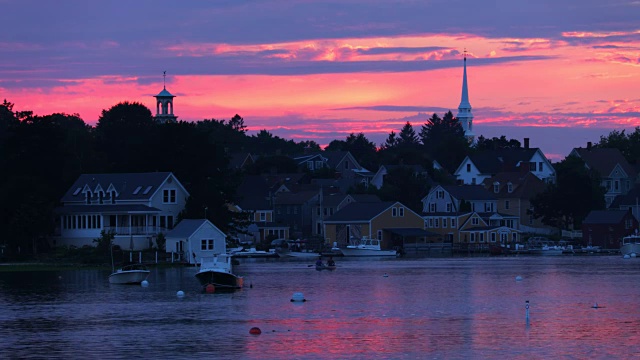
(144, 283)
(210, 289)
(518, 278)
(255, 331)
(627, 256)
(298, 297)
(180, 293)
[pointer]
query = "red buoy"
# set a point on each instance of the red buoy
(255, 331)
(210, 289)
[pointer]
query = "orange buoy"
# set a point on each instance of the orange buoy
(210, 289)
(255, 331)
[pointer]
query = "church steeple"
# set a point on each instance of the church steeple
(464, 109)
(164, 103)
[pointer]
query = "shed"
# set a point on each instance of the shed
(193, 239)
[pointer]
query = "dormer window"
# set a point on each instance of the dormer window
(318, 164)
(468, 167)
(496, 187)
(509, 188)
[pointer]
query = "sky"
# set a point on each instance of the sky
(561, 72)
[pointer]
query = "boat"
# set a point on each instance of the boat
(325, 267)
(366, 247)
(546, 250)
(217, 270)
(129, 274)
(253, 253)
(630, 245)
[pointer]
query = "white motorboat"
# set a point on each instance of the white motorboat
(366, 247)
(630, 245)
(253, 253)
(217, 270)
(130, 274)
(547, 250)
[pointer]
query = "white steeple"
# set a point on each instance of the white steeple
(464, 109)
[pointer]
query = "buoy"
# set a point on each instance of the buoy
(633, 255)
(385, 275)
(595, 306)
(518, 278)
(210, 289)
(298, 297)
(255, 331)
(144, 283)
(526, 306)
(626, 256)
(180, 293)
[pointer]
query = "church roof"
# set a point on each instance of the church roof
(164, 93)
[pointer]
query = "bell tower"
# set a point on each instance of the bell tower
(164, 104)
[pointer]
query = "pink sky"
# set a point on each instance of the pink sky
(307, 73)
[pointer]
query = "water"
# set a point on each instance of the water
(453, 308)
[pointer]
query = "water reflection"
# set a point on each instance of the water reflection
(424, 308)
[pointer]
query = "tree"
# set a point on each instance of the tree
(628, 144)
(359, 146)
(567, 202)
(403, 184)
(444, 140)
(408, 136)
(495, 143)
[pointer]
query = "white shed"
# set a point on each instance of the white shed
(193, 239)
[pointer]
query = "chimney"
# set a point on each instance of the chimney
(526, 143)
(589, 145)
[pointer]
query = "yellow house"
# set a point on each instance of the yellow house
(388, 222)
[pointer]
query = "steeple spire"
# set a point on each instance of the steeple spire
(164, 79)
(464, 109)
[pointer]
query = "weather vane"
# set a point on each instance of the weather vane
(465, 53)
(164, 79)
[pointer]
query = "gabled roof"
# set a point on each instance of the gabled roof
(605, 217)
(500, 160)
(238, 160)
(299, 198)
(334, 157)
(254, 193)
(525, 185)
(128, 186)
(360, 211)
(604, 160)
(188, 227)
(469, 192)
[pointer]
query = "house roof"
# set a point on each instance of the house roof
(605, 217)
(128, 186)
(187, 227)
(299, 198)
(507, 159)
(630, 199)
(366, 198)
(106, 208)
(334, 157)
(604, 160)
(253, 194)
(525, 185)
(237, 160)
(357, 211)
(469, 192)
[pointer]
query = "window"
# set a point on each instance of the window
(401, 211)
(318, 164)
(472, 237)
(540, 166)
(146, 191)
(468, 167)
(440, 194)
(627, 224)
(532, 166)
(394, 212)
(137, 190)
(453, 222)
(616, 185)
(380, 235)
(432, 207)
(449, 207)
(506, 204)
(444, 223)
(436, 223)
(310, 165)
(169, 196)
(488, 207)
(263, 216)
(475, 221)
(430, 222)
(481, 237)
(203, 244)
(493, 237)
(496, 187)
(509, 188)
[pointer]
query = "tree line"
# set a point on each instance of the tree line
(41, 156)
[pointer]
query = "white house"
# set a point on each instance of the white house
(135, 206)
(478, 167)
(193, 239)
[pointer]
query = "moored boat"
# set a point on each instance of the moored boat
(366, 247)
(630, 245)
(217, 270)
(129, 274)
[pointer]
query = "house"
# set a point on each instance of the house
(192, 239)
(294, 210)
(256, 196)
(239, 161)
(628, 201)
(330, 203)
(134, 206)
(606, 228)
(478, 167)
(342, 162)
(617, 175)
(467, 214)
(377, 179)
(514, 191)
(388, 222)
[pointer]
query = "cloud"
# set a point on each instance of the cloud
(399, 108)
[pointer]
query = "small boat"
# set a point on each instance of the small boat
(630, 245)
(366, 247)
(253, 253)
(217, 270)
(546, 250)
(129, 274)
(325, 267)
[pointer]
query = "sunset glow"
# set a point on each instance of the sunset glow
(330, 73)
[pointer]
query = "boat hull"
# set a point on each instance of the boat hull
(630, 248)
(128, 277)
(219, 279)
(325, 267)
(367, 252)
